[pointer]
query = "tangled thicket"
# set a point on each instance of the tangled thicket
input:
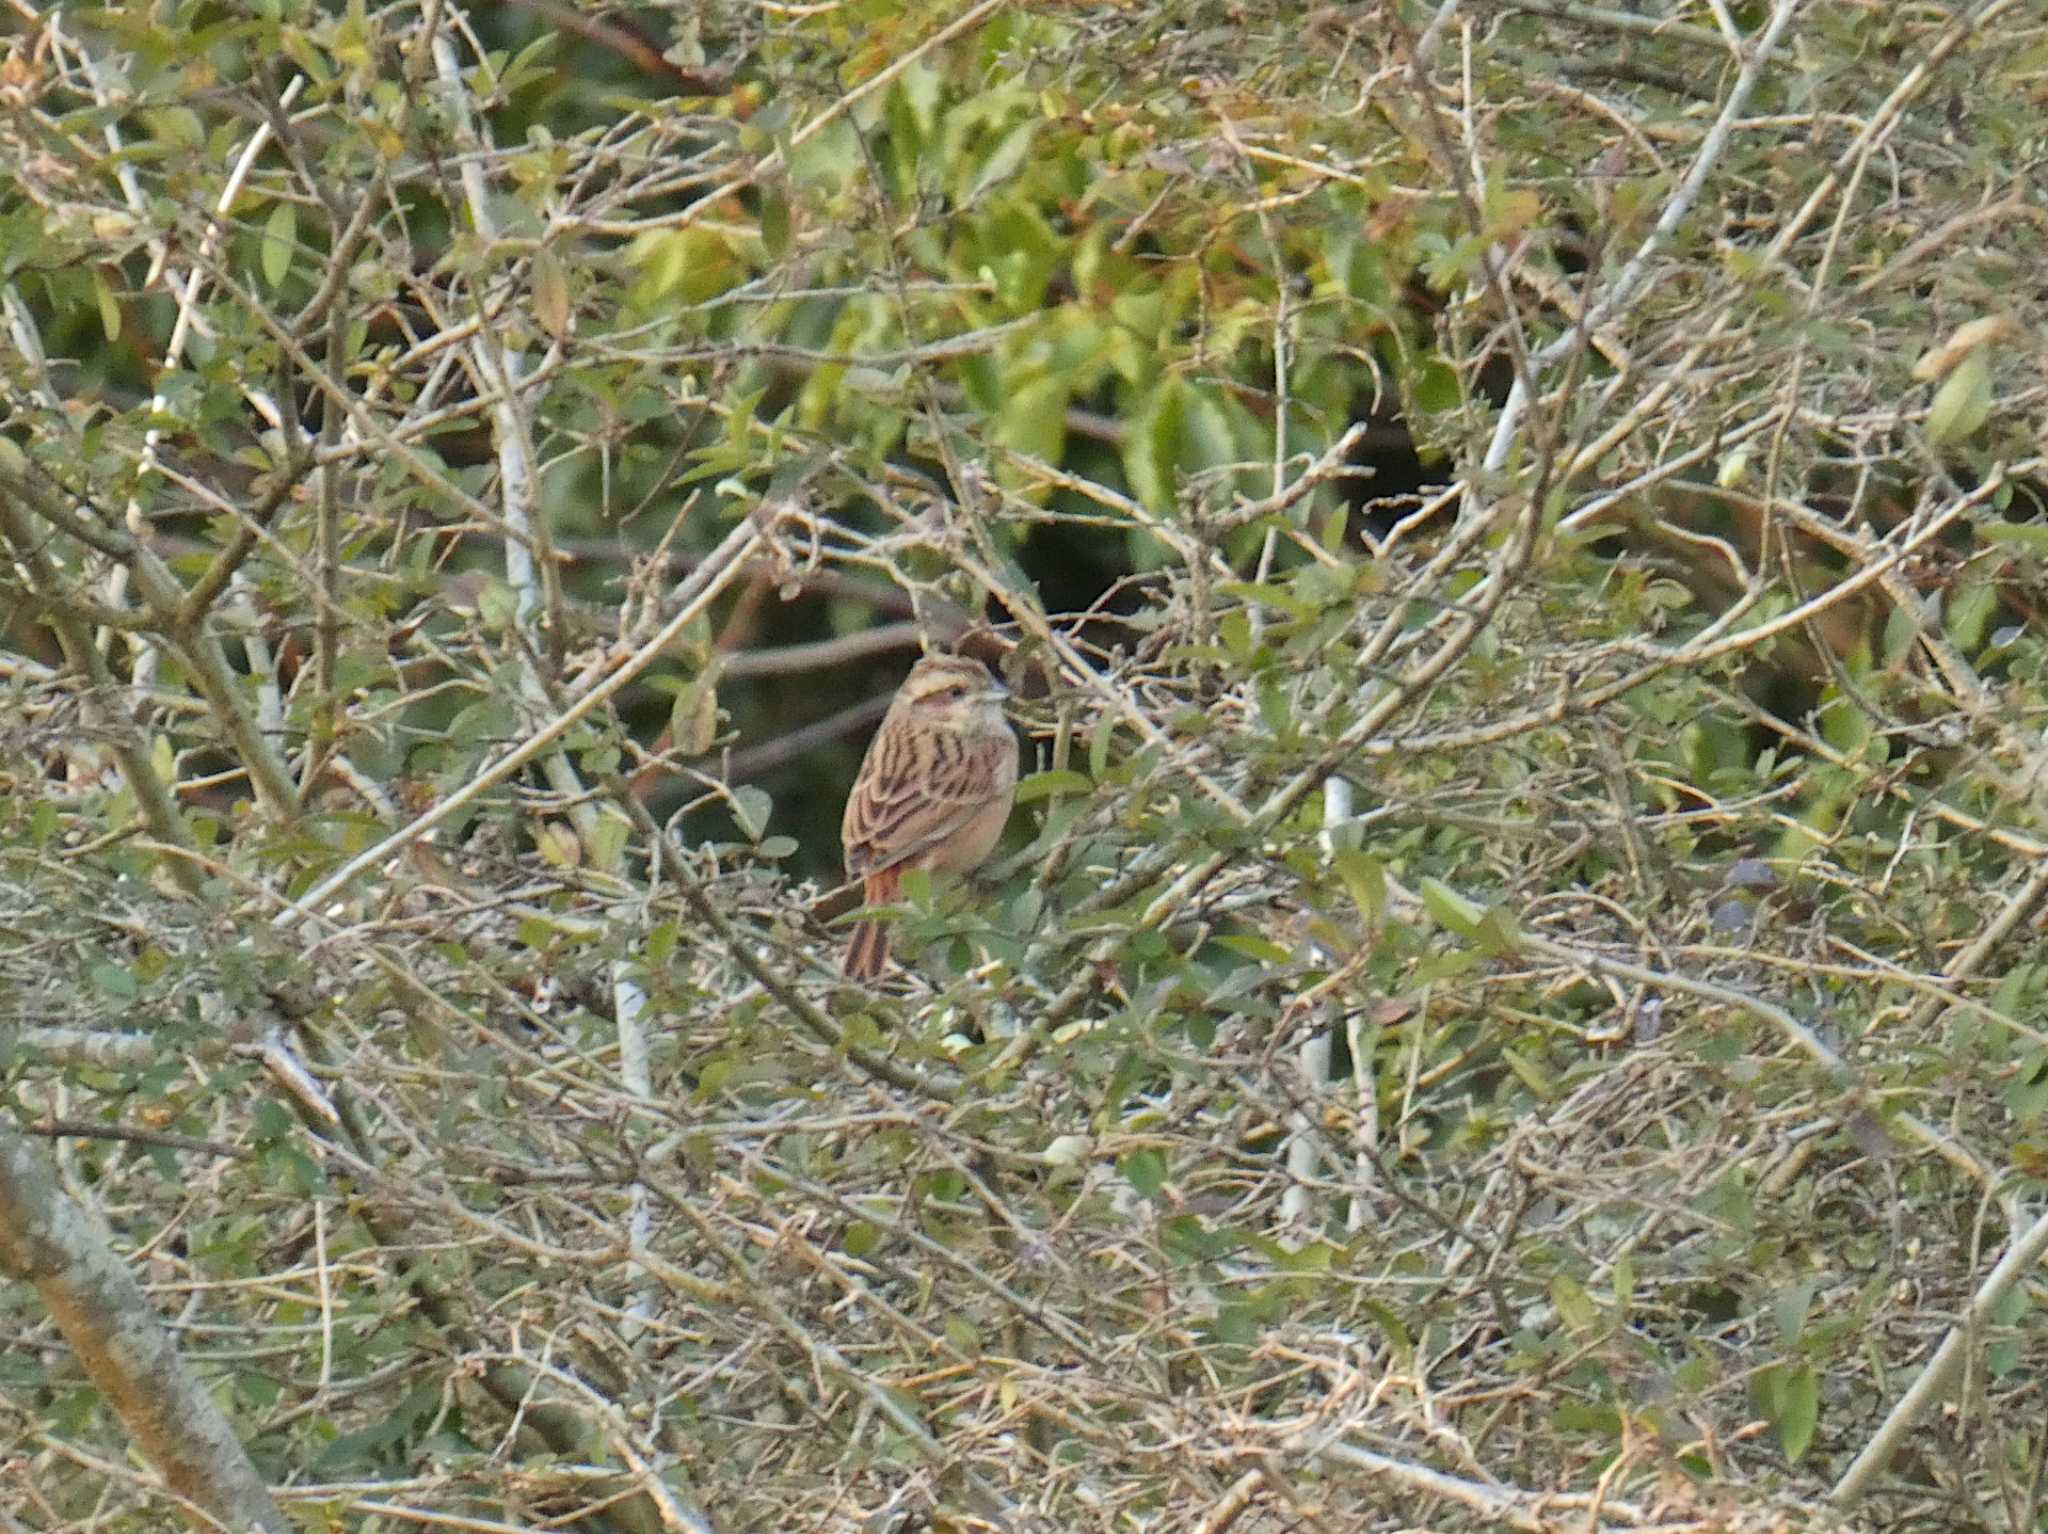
(1507, 1001)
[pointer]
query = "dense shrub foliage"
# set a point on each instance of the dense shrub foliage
(1509, 998)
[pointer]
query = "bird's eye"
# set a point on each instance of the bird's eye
(955, 690)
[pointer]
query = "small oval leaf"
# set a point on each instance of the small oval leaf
(551, 293)
(280, 237)
(1963, 401)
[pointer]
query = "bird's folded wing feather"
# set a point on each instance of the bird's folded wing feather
(905, 804)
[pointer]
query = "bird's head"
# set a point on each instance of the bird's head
(953, 692)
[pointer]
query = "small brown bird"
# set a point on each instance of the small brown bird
(933, 793)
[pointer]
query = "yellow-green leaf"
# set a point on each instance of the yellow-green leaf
(1573, 1303)
(1461, 915)
(775, 224)
(1262, 950)
(608, 840)
(1365, 877)
(551, 293)
(1963, 401)
(280, 235)
(1044, 785)
(1532, 1075)
(110, 308)
(2027, 537)
(693, 719)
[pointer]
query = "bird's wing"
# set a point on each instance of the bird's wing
(905, 804)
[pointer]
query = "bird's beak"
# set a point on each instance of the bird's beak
(997, 692)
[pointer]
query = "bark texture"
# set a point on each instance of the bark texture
(50, 1242)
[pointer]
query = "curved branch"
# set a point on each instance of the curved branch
(50, 1242)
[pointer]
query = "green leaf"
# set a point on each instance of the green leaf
(42, 824)
(530, 64)
(280, 238)
(2026, 1094)
(1798, 1410)
(1046, 785)
(775, 224)
(1573, 1303)
(1234, 628)
(1152, 447)
(2027, 537)
(751, 807)
(271, 1120)
(1144, 1170)
(1452, 909)
(110, 307)
(1275, 710)
(1098, 748)
(1901, 629)
(114, 982)
(1365, 877)
(1532, 1075)
(1391, 1326)
(1032, 419)
(179, 126)
(1963, 401)
(1789, 1309)
(1436, 387)
(1969, 612)
(1498, 933)
(549, 281)
(1003, 163)
(2012, 990)
(302, 52)
(693, 717)
(1262, 949)
(962, 1333)
(608, 840)
(1279, 598)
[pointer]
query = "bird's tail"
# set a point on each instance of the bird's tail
(867, 951)
(867, 954)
